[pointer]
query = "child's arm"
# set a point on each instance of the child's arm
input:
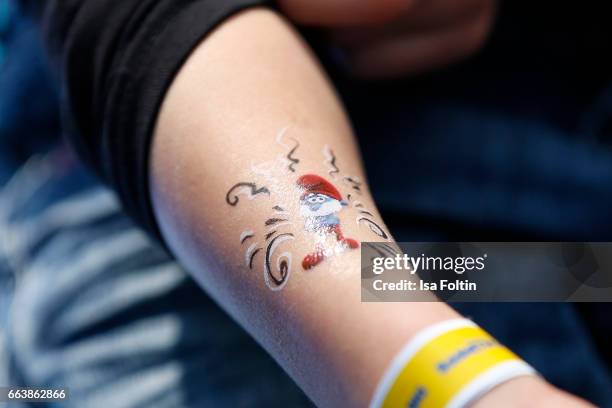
(246, 131)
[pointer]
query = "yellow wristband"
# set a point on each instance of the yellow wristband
(449, 364)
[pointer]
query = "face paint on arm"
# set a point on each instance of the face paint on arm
(330, 161)
(290, 159)
(353, 182)
(320, 203)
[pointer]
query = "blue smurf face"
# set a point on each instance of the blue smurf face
(315, 201)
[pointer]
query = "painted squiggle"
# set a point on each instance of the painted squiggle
(276, 280)
(330, 161)
(249, 189)
(246, 235)
(274, 221)
(279, 210)
(291, 160)
(353, 182)
(374, 227)
(250, 253)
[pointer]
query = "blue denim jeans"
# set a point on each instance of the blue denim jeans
(101, 309)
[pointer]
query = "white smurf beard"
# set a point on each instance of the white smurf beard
(330, 207)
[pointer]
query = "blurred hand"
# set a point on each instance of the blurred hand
(390, 38)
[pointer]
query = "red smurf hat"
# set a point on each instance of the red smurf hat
(313, 184)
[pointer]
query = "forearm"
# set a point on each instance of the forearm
(251, 80)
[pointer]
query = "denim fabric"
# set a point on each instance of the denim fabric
(102, 310)
(28, 112)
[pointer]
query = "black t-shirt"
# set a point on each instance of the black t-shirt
(116, 60)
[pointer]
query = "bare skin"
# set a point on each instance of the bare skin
(248, 80)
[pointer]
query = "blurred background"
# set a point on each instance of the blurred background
(510, 144)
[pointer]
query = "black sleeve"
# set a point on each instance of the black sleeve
(116, 60)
